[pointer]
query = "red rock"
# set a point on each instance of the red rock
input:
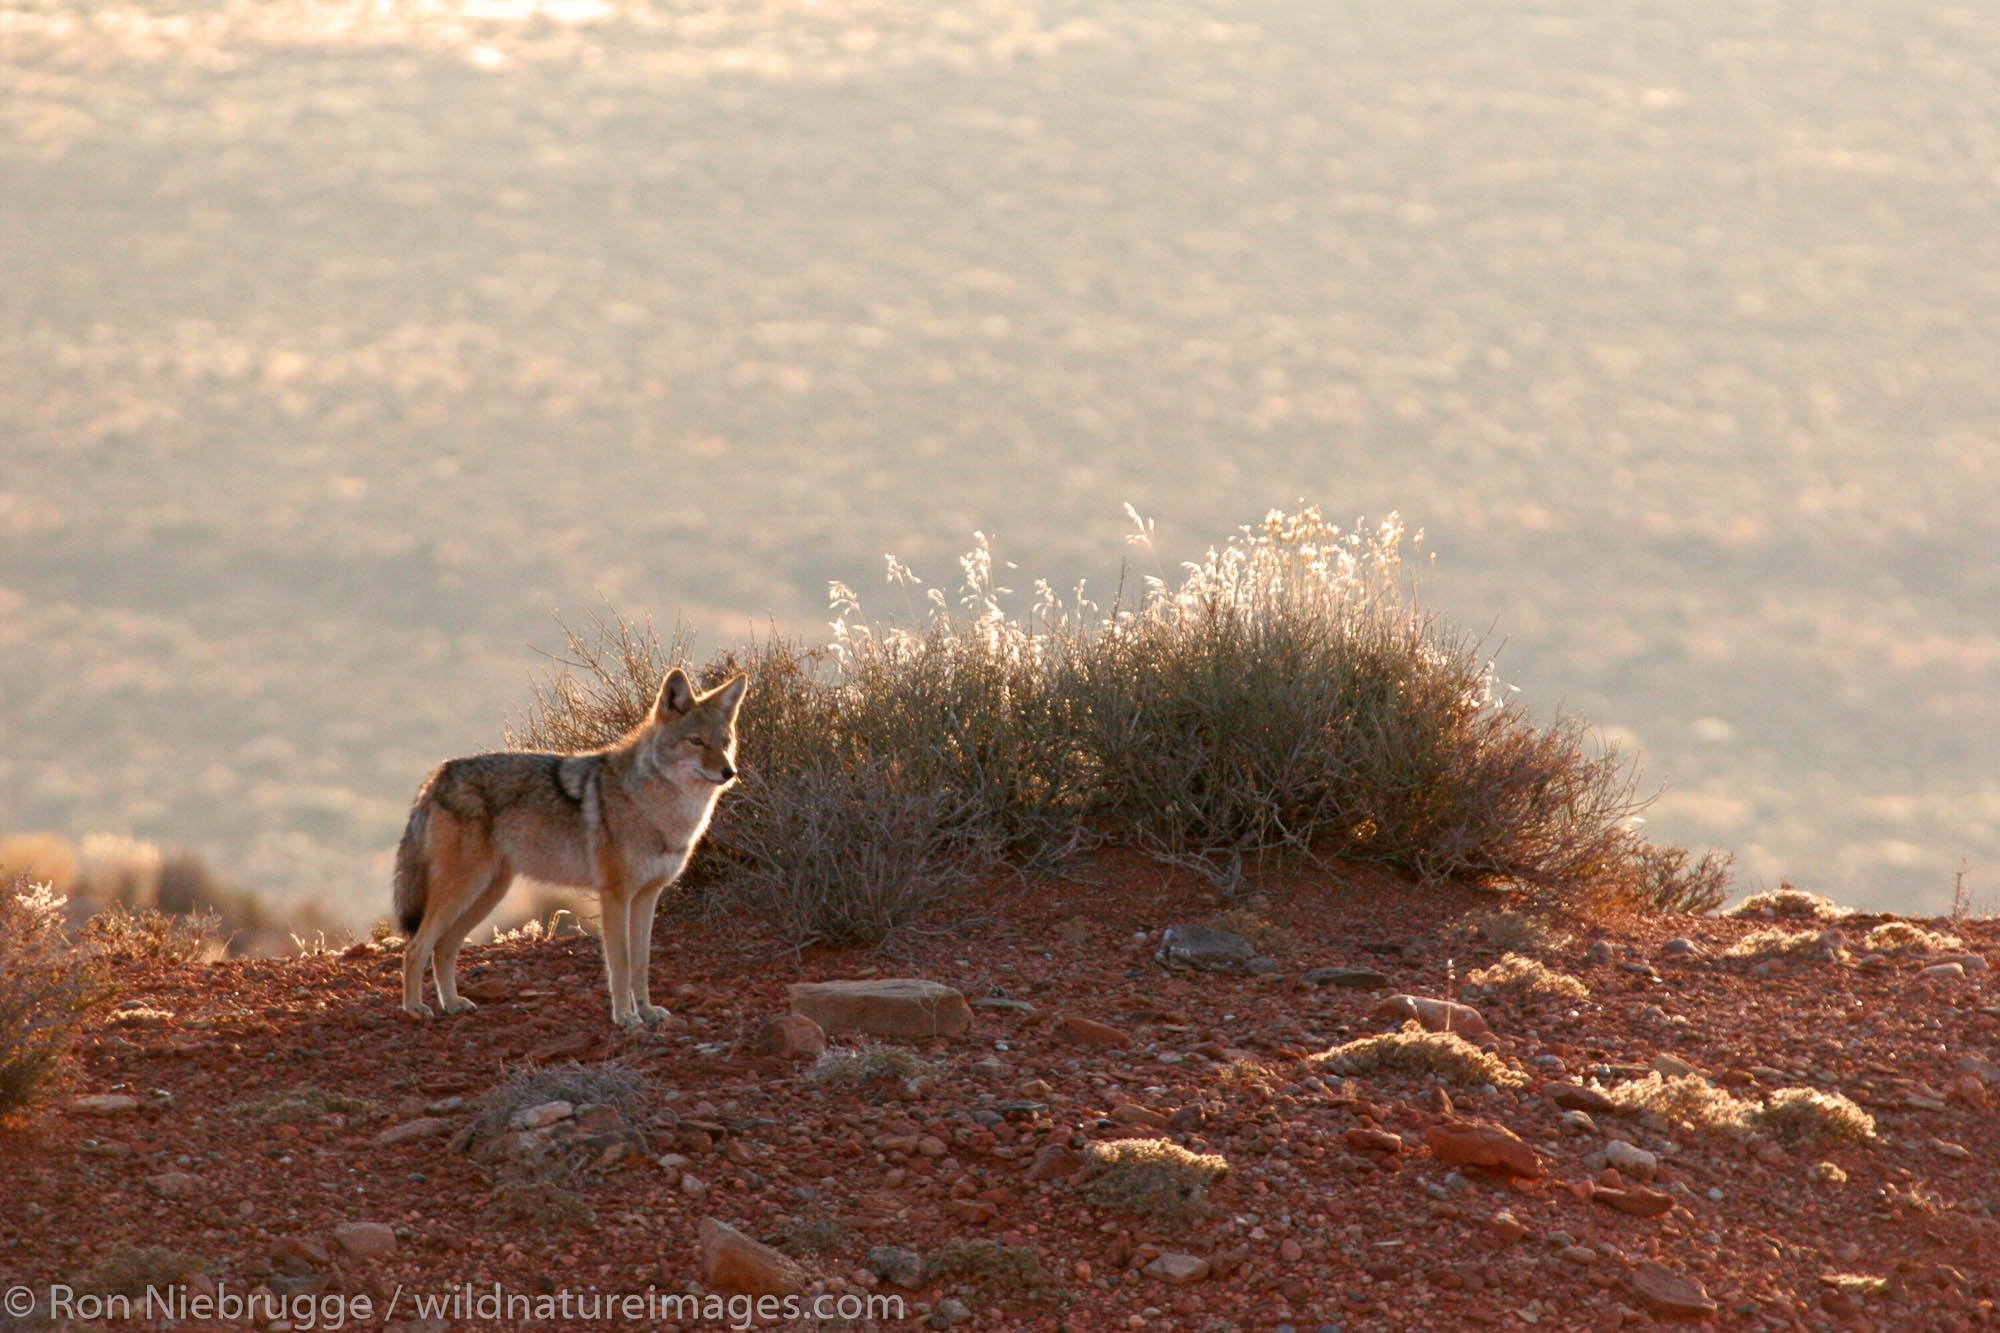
(905, 1007)
(1090, 1032)
(1053, 1161)
(793, 1036)
(734, 1262)
(1436, 1015)
(1372, 1140)
(1482, 1144)
(1668, 1293)
(1636, 1200)
(1576, 1097)
(366, 1240)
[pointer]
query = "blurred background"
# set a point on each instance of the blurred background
(340, 343)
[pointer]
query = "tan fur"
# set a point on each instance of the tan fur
(621, 820)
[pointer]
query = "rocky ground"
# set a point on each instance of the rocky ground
(275, 1130)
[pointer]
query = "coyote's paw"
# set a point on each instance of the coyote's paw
(458, 1004)
(630, 1021)
(652, 1015)
(418, 1010)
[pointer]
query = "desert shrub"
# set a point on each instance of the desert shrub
(1155, 1179)
(148, 933)
(1686, 1101)
(41, 858)
(1777, 944)
(129, 1270)
(1904, 936)
(537, 1195)
(1808, 1116)
(1412, 1050)
(869, 1062)
(1786, 903)
(1008, 1272)
(49, 992)
(814, 1230)
(1287, 697)
(120, 869)
(609, 1083)
(1524, 978)
(300, 1104)
(1510, 930)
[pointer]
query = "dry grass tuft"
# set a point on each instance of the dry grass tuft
(148, 933)
(1412, 1050)
(1518, 978)
(49, 992)
(1798, 1116)
(1513, 931)
(1777, 944)
(1156, 1179)
(1686, 1101)
(301, 1104)
(869, 1062)
(1905, 936)
(1007, 1272)
(1786, 903)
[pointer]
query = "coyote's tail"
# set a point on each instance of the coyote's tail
(413, 868)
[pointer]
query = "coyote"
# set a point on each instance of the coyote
(620, 819)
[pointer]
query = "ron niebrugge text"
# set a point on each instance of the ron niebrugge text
(330, 1311)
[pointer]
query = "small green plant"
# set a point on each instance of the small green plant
(1786, 903)
(1686, 1101)
(1797, 1116)
(814, 1231)
(49, 993)
(129, 1270)
(538, 1196)
(867, 1062)
(1155, 1179)
(1513, 931)
(1519, 978)
(1412, 1050)
(147, 933)
(1006, 1272)
(301, 1104)
(1777, 943)
(1907, 937)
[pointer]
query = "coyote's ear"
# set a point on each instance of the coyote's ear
(730, 694)
(676, 696)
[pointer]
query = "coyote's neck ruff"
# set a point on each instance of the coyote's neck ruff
(621, 820)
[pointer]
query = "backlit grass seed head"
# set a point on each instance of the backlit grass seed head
(1413, 1050)
(1686, 1101)
(1903, 936)
(1776, 944)
(1789, 904)
(1525, 978)
(1809, 1116)
(1154, 1178)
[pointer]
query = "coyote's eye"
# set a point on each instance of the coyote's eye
(695, 741)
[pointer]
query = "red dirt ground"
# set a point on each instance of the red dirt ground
(1305, 1230)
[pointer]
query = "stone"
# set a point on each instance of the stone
(540, 1116)
(1346, 978)
(1681, 947)
(1482, 1144)
(1630, 1160)
(1944, 972)
(1636, 1200)
(1128, 1114)
(1197, 948)
(793, 1036)
(1178, 1269)
(366, 1240)
(903, 1007)
(1972, 964)
(1363, 1139)
(734, 1262)
(1601, 952)
(953, 1310)
(103, 1103)
(893, 1263)
(1436, 1015)
(423, 1127)
(1672, 1066)
(1089, 1032)
(1576, 1097)
(1667, 1293)
(173, 1184)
